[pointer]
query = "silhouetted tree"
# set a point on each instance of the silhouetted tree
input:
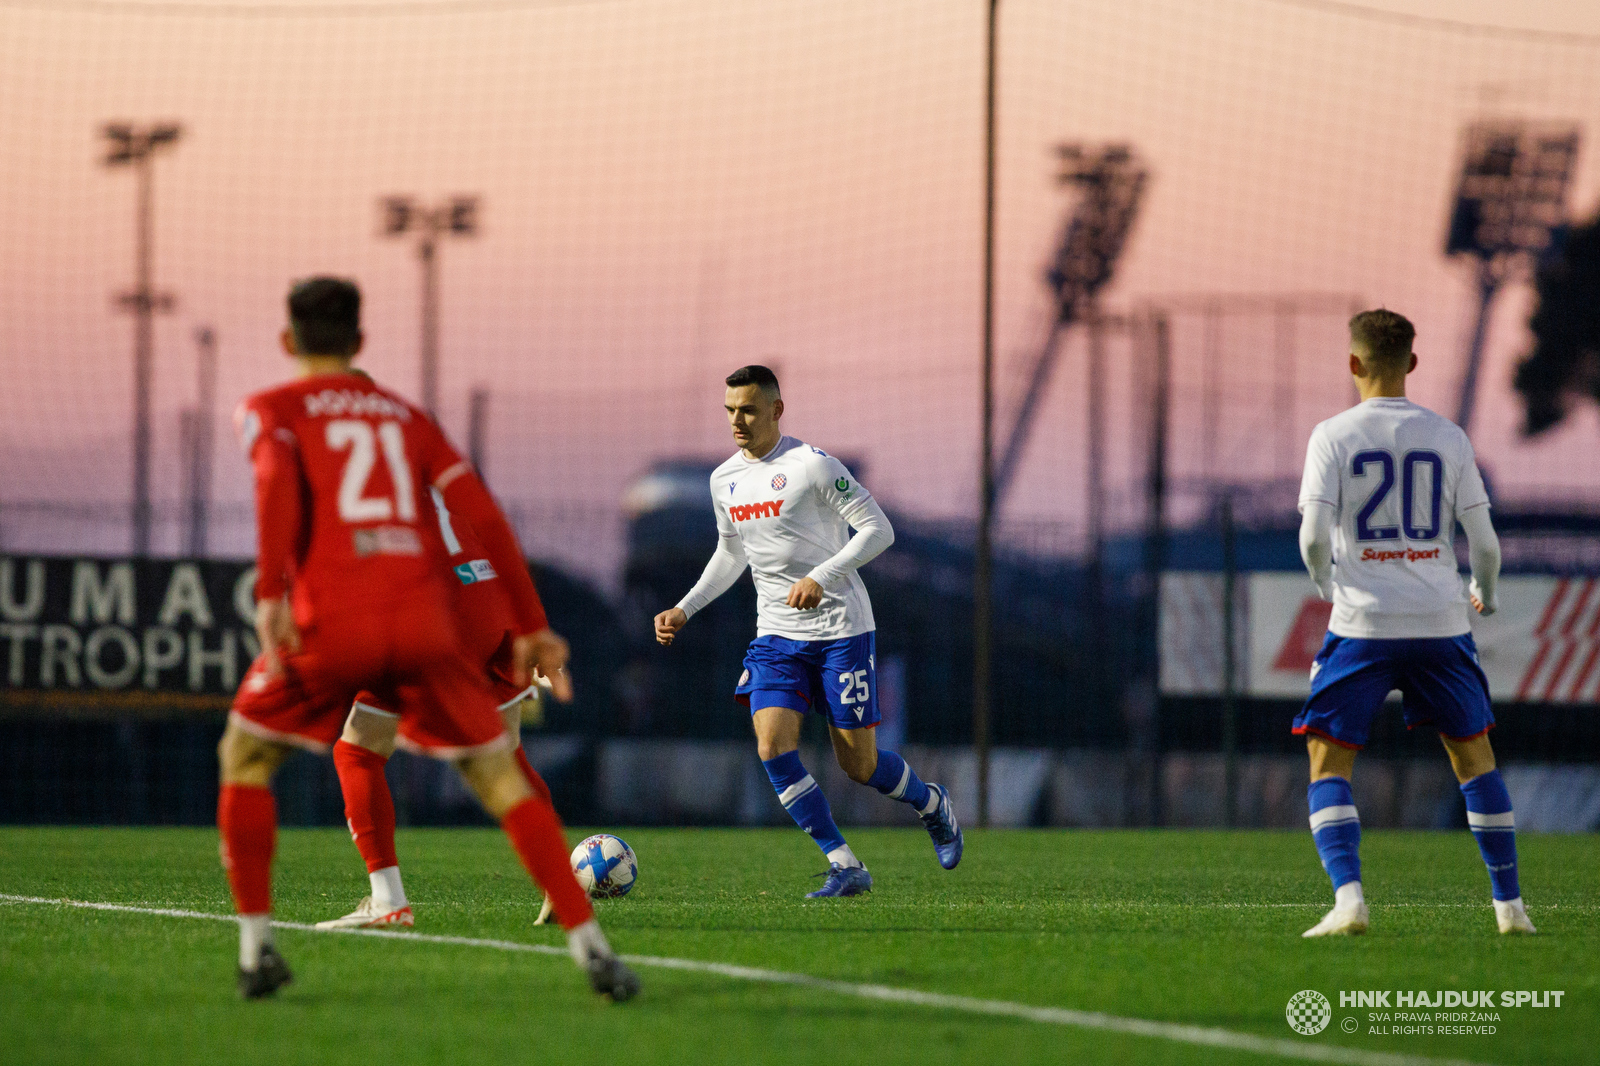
(1565, 362)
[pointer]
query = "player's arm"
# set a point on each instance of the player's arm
(722, 570)
(1483, 547)
(280, 519)
(1316, 545)
(536, 644)
(872, 535)
(1319, 511)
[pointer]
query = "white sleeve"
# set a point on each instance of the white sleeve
(1316, 545)
(723, 569)
(1483, 548)
(855, 505)
(1321, 481)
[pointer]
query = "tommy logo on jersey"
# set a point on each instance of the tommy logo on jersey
(475, 571)
(746, 511)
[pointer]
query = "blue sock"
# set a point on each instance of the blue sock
(1336, 827)
(895, 778)
(803, 799)
(1492, 823)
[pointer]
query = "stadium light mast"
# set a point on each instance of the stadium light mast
(455, 217)
(1509, 211)
(134, 146)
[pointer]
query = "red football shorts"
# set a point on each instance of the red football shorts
(405, 656)
(482, 626)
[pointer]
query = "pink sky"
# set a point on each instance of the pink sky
(672, 189)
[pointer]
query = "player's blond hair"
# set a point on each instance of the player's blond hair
(1382, 339)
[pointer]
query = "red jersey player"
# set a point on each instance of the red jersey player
(488, 629)
(351, 597)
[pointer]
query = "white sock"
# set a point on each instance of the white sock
(387, 892)
(1348, 895)
(844, 856)
(587, 941)
(933, 801)
(255, 930)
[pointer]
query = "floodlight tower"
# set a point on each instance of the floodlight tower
(1110, 181)
(455, 217)
(130, 145)
(1509, 210)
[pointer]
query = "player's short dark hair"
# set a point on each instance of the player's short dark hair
(754, 374)
(325, 314)
(1385, 336)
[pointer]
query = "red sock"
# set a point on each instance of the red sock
(247, 818)
(368, 806)
(535, 832)
(535, 782)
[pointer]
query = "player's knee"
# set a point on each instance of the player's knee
(1470, 758)
(375, 732)
(247, 760)
(497, 782)
(857, 766)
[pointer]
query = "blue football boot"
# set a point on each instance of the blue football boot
(943, 828)
(843, 881)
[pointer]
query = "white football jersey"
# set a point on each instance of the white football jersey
(791, 512)
(1398, 476)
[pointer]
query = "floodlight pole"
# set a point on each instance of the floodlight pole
(1489, 279)
(201, 442)
(983, 552)
(457, 216)
(134, 146)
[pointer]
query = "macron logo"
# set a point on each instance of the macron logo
(746, 511)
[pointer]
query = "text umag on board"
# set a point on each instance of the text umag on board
(105, 628)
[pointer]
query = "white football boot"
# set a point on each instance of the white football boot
(1512, 916)
(370, 915)
(1341, 921)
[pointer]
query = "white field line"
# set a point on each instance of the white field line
(1183, 1034)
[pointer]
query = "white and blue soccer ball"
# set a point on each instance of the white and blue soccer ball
(606, 866)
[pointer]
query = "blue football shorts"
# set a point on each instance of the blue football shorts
(1440, 683)
(837, 678)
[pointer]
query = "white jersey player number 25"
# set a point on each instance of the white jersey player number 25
(354, 504)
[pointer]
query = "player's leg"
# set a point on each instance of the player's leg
(779, 686)
(849, 678)
(360, 757)
(511, 715)
(247, 822)
(1493, 825)
(1336, 829)
(535, 832)
(1349, 682)
(777, 730)
(1446, 688)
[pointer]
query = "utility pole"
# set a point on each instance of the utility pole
(457, 217)
(130, 145)
(200, 431)
(983, 551)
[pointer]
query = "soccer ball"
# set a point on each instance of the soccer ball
(606, 866)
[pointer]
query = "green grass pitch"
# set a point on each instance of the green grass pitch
(1194, 928)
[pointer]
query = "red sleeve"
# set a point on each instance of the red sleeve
(465, 496)
(278, 513)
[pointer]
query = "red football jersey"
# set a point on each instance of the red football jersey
(344, 469)
(483, 605)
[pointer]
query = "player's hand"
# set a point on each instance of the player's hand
(1325, 589)
(278, 634)
(1475, 594)
(668, 623)
(548, 651)
(804, 594)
